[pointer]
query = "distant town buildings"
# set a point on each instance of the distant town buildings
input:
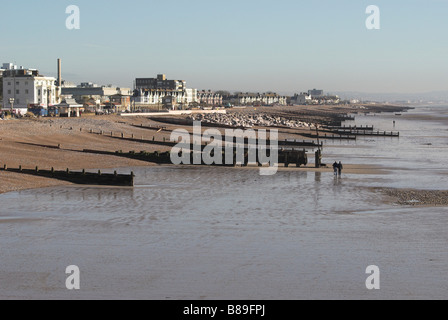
(255, 99)
(26, 88)
(314, 97)
(209, 98)
(95, 97)
(301, 99)
(171, 94)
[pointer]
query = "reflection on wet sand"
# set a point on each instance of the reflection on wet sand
(218, 233)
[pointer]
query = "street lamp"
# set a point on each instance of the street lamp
(11, 102)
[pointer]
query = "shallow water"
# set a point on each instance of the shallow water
(226, 233)
(418, 157)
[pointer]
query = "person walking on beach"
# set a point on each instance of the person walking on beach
(335, 168)
(340, 168)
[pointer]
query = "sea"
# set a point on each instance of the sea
(208, 233)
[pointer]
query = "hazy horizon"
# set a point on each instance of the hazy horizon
(283, 46)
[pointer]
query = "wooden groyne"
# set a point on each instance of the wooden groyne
(297, 157)
(330, 136)
(350, 128)
(168, 143)
(300, 144)
(359, 131)
(76, 177)
(153, 128)
(368, 133)
(153, 157)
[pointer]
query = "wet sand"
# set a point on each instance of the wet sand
(34, 142)
(295, 235)
(207, 233)
(31, 143)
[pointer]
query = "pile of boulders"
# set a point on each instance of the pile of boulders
(249, 121)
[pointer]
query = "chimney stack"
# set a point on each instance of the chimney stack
(59, 73)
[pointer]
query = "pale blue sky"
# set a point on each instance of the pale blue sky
(250, 45)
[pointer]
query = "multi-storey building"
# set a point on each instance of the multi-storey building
(26, 88)
(315, 93)
(160, 83)
(157, 97)
(154, 91)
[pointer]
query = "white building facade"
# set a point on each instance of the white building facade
(27, 89)
(154, 97)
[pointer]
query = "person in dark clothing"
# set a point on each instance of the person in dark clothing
(335, 168)
(340, 167)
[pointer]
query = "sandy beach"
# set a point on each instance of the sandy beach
(200, 232)
(58, 143)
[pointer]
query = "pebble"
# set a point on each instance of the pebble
(249, 121)
(419, 197)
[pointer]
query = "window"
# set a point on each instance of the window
(18, 101)
(9, 83)
(17, 83)
(17, 91)
(9, 91)
(26, 83)
(27, 91)
(38, 92)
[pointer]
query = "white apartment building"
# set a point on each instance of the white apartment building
(28, 89)
(154, 97)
